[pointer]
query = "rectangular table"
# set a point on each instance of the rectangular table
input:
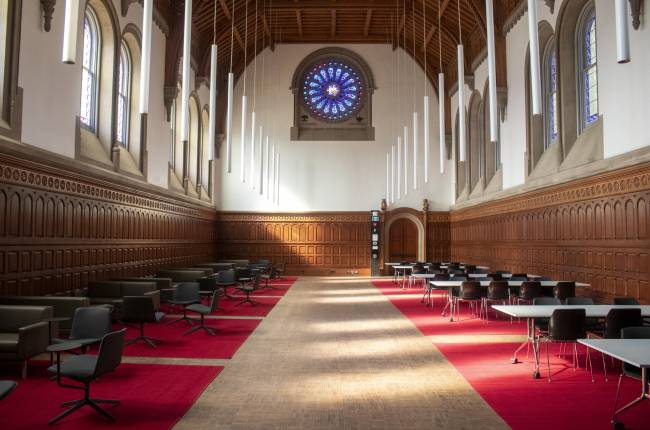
(632, 351)
(532, 312)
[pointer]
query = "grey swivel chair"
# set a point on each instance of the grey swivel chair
(185, 294)
(89, 326)
(227, 278)
(85, 369)
(141, 310)
(249, 289)
(204, 310)
(6, 387)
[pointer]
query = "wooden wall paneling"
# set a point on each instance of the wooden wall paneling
(60, 229)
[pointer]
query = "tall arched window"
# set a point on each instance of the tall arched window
(588, 67)
(90, 70)
(551, 117)
(124, 96)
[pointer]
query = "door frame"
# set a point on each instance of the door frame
(411, 215)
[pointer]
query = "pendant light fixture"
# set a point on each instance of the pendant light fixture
(392, 174)
(425, 99)
(441, 99)
(494, 119)
(622, 32)
(406, 160)
(399, 167)
(388, 177)
(145, 63)
(253, 115)
(185, 90)
(231, 82)
(70, 31)
(212, 125)
(461, 92)
(415, 114)
(535, 79)
(244, 104)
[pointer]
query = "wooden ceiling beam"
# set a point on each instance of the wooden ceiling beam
(228, 15)
(291, 5)
(429, 36)
(366, 28)
(267, 30)
(333, 24)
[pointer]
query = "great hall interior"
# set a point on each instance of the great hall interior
(324, 214)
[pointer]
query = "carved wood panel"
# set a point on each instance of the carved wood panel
(594, 230)
(311, 243)
(403, 241)
(58, 230)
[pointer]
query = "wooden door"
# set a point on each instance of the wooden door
(403, 241)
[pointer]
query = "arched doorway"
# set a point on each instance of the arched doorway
(403, 240)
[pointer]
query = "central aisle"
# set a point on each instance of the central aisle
(336, 354)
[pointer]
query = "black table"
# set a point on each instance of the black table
(58, 348)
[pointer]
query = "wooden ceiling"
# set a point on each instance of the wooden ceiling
(268, 22)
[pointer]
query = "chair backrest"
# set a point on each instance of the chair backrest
(216, 298)
(498, 290)
(542, 278)
(618, 319)
(564, 290)
(418, 268)
(517, 278)
(580, 301)
(471, 290)
(243, 272)
(635, 333)
(227, 276)
(529, 290)
(568, 324)
(546, 301)
(441, 277)
(495, 276)
(110, 352)
(256, 282)
(91, 323)
(503, 272)
(520, 275)
(457, 271)
(625, 301)
(186, 291)
(459, 278)
(138, 309)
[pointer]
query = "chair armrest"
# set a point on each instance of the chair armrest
(155, 296)
(33, 339)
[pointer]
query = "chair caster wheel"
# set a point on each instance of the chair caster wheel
(514, 360)
(618, 425)
(535, 375)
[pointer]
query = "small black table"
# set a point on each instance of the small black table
(58, 348)
(49, 322)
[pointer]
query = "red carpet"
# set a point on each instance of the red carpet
(570, 401)
(231, 335)
(154, 397)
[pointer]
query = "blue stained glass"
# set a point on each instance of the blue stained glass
(590, 71)
(333, 91)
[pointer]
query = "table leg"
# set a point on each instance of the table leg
(644, 395)
(530, 326)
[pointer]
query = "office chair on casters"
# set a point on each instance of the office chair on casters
(249, 289)
(204, 310)
(141, 310)
(86, 369)
(6, 387)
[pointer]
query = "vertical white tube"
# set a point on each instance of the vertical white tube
(252, 166)
(392, 174)
(212, 127)
(261, 174)
(388, 178)
(185, 90)
(271, 191)
(415, 150)
(492, 78)
(268, 163)
(535, 78)
(231, 80)
(425, 130)
(242, 147)
(622, 32)
(277, 177)
(441, 120)
(461, 103)
(406, 160)
(399, 167)
(145, 62)
(70, 31)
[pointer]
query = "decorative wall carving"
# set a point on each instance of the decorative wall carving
(595, 230)
(59, 229)
(48, 12)
(319, 243)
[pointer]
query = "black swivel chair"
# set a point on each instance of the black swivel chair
(185, 294)
(622, 301)
(564, 289)
(630, 371)
(497, 292)
(89, 326)
(472, 293)
(567, 326)
(141, 310)
(6, 387)
(273, 274)
(249, 289)
(87, 368)
(528, 291)
(227, 278)
(204, 310)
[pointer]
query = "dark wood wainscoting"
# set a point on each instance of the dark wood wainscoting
(438, 236)
(594, 230)
(61, 225)
(319, 243)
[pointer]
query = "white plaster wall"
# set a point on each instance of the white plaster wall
(334, 176)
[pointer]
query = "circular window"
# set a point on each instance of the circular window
(332, 90)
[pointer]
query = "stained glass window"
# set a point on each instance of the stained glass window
(589, 72)
(332, 90)
(123, 96)
(90, 70)
(551, 111)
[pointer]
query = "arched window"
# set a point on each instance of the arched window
(90, 70)
(124, 96)
(551, 117)
(588, 67)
